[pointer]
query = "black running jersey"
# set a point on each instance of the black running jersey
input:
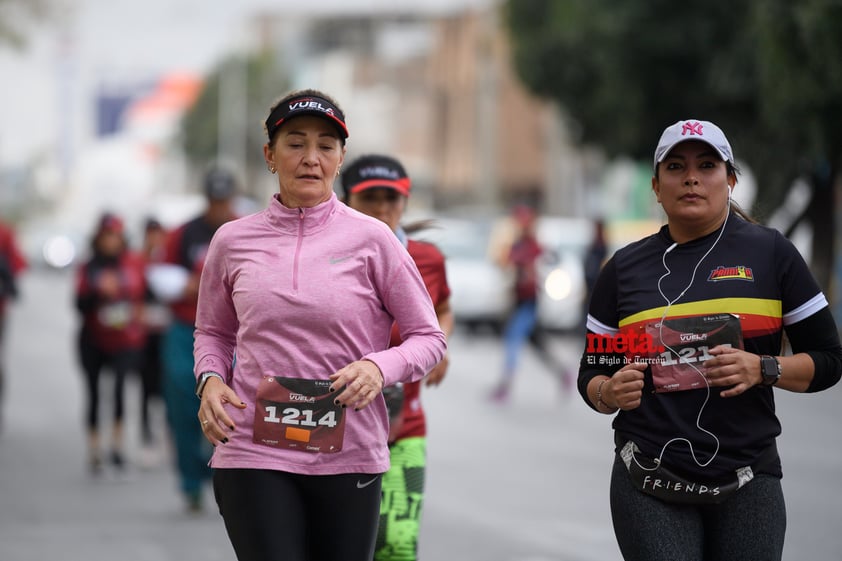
(753, 272)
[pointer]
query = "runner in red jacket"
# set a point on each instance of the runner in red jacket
(110, 292)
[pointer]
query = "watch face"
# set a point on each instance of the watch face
(770, 370)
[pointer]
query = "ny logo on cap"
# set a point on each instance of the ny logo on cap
(692, 128)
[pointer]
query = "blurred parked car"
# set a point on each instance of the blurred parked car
(480, 290)
(563, 290)
(561, 301)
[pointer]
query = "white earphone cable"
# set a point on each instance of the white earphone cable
(672, 350)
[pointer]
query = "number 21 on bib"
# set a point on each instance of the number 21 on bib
(685, 343)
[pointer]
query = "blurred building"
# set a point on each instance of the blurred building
(440, 91)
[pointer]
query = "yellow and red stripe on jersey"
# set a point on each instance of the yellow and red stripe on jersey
(758, 316)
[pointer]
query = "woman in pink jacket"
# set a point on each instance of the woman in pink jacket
(296, 306)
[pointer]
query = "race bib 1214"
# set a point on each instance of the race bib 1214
(298, 414)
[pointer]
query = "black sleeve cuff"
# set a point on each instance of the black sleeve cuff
(818, 336)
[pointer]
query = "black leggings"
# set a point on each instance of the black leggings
(279, 516)
(150, 378)
(748, 525)
(94, 360)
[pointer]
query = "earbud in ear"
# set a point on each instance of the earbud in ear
(730, 190)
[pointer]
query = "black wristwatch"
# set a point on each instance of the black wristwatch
(770, 370)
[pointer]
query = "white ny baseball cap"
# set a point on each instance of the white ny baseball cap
(691, 129)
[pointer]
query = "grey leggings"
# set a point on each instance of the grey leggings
(748, 525)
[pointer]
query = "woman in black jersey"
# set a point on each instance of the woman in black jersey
(684, 343)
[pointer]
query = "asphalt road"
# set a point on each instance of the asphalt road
(522, 482)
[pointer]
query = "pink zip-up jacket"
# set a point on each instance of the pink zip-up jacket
(301, 293)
